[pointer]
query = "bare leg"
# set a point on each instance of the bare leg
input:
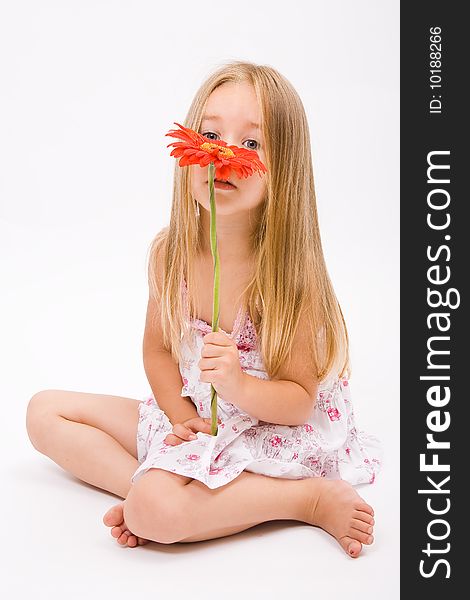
(248, 500)
(251, 499)
(93, 436)
(92, 455)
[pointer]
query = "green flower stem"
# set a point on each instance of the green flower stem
(215, 305)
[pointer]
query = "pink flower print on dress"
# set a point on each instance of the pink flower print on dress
(345, 382)
(348, 451)
(235, 428)
(276, 441)
(308, 428)
(334, 414)
(296, 456)
(193, 456)
(215, 470)
(323, 401)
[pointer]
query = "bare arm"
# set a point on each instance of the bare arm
(277, 401)
(165, 380)
(289, 397)
(161, 369)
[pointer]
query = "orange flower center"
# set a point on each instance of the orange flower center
(222, 150)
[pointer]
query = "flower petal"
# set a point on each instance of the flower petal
(243, 162)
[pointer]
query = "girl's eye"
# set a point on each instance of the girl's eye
(253, 147)
(207, 134)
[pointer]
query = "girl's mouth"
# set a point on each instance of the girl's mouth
(223, 184)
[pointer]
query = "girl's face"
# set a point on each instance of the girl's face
(232, 115)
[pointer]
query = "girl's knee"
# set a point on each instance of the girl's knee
(39, 411)
(155, 511)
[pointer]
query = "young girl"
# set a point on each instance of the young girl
(287, 446)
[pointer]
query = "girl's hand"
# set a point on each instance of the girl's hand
(183, 431)
(220, 364)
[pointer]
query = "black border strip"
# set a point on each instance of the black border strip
(435, 347)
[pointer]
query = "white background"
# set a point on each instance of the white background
(87, 92)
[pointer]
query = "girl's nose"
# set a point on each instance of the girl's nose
(229, 139)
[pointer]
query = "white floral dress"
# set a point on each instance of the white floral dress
(327, 445)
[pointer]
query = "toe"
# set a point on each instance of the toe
(142, 541)
(107, 518)
(362, 526)
(116, 532)
(113, 516)
(363, 516)
(363, 506)
(364, 538)
(351, 546)
(123, 539)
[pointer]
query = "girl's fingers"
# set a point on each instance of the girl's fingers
(199, 424)
(218, 338)
(208, 425)
(209, 363)
(173, 440)
(183, 432)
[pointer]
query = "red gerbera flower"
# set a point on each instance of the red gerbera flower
(195, 149)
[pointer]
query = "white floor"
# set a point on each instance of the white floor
(57, 335)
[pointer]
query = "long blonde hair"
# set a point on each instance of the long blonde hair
(290, 275)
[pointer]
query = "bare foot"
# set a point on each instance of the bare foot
(115, 518)
(338, 509)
